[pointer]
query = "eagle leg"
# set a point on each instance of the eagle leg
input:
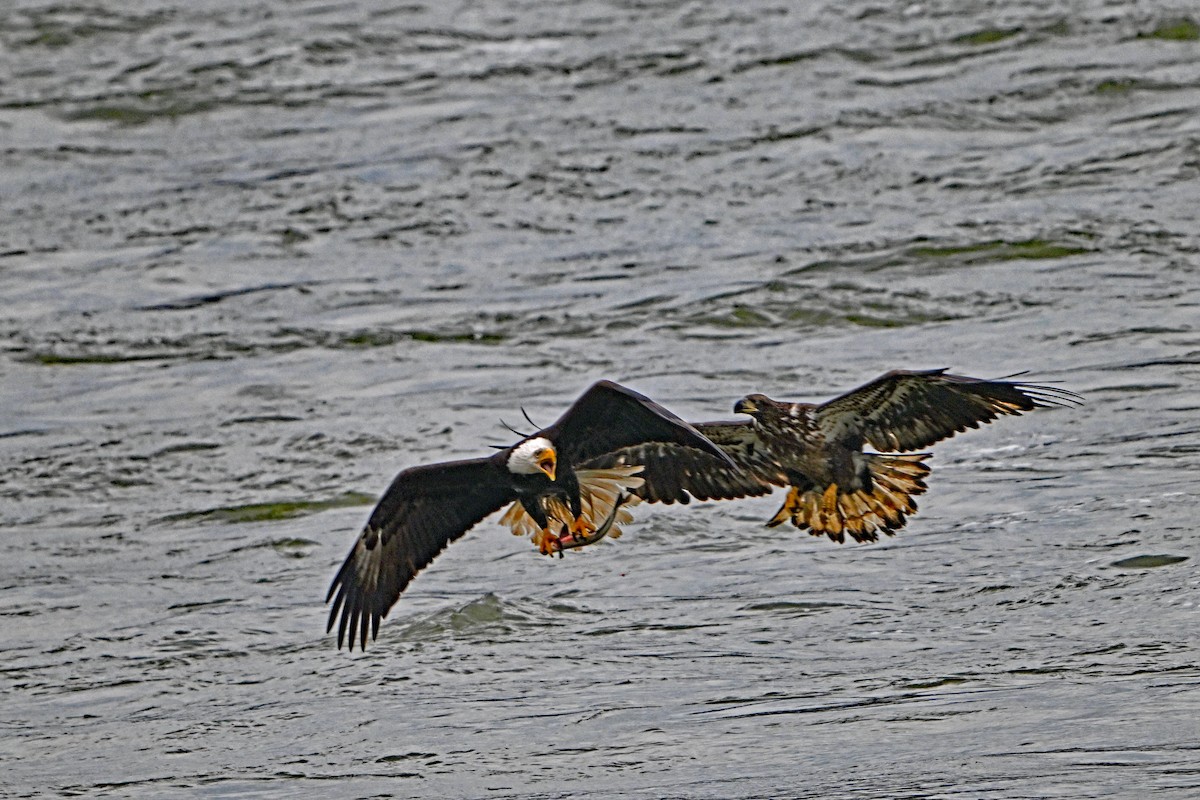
(547, 541)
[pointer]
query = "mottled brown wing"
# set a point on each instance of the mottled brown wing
(904, 410)
(609, 417)
(675, 474)
(423, 510)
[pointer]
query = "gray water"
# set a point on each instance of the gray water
(257, 257)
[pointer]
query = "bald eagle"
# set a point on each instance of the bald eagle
(552, 496)
(816, 451)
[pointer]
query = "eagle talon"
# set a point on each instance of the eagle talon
(581, 528)
(547, 542)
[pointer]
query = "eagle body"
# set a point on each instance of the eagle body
(538, 478)
(852, 466)
(794, 440)
(559, 507)
(554, 497)
(818, 451)
(833, 487)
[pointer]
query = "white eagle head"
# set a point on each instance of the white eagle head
(533, 456)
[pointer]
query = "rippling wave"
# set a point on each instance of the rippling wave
(260, 257)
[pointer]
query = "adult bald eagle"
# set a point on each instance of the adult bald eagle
(816, 451)
(553, 497)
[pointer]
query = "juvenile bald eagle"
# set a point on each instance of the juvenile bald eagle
(552, 496)
(816, 451)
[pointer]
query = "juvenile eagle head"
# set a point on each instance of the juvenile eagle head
(752, 404)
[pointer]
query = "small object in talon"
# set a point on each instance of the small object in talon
(574, 539)
(556, 542)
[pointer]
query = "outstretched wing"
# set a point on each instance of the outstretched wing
(423, 510)
(905, 410)
(675, 474)
(608, 417)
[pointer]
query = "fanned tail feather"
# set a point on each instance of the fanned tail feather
(883, 507)
(598, 493)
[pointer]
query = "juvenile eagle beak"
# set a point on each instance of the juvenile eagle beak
(744, 406)
(547, 462)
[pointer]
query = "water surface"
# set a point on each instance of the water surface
(258, 258)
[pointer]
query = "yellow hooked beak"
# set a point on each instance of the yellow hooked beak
(547, 462)
(744, 406)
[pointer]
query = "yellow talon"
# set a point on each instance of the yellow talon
(547, 542)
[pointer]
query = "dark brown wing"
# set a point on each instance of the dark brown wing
(904, 410)
(609, 417)
(675, 474)
(423, 510)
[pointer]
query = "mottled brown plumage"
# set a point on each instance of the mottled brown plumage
(816, 450)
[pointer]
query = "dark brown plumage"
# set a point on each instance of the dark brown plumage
(816, 450)
(427, 507)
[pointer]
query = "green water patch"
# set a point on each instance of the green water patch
(791, 608)
(742, 316)
(211, 346)
(845, 305)
(49, 38)
(270, 512)
(368, 338)
(434, 336)
(53, 359)
(812, 317)
(137, 112)
(999, 250)
(385, 338)
(64, 25)
(869, 321)
(186, 447)
(293, 547)
(785, 60)
(291, 236)
(875, 314)
(262, 419)
(986, 36)
(934, 683)
(1148, 561)
(1117, 86)
(1183, 29)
